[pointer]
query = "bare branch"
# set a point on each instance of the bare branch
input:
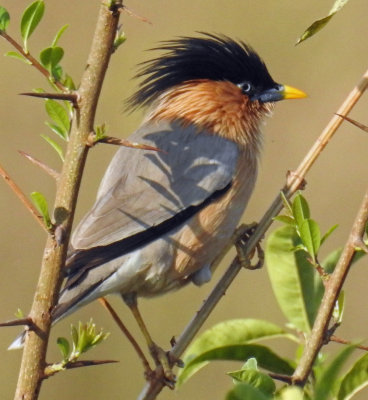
(23, 198)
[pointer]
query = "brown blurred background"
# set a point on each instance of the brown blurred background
(326, 67)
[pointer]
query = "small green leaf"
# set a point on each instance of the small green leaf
(310, 235)
(355, 380)
(100, 132)
(119, 40)
(4, 19)
(19, 313)
(50, 58)
(327, 382)
(59, 115)
(321, 23)
(30, 19)
(256, 379)
(64, 347)
(14, 54)
(293, 280)
(54, 145)
(286, 203)
(300, 209)
(291, 393)
(243, 391)
(56, 129)
(40, 202)
(58, 35)
(328, 233)
(68, 82)
(285, 219)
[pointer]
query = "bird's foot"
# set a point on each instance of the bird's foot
(244, 232)
(164, 361)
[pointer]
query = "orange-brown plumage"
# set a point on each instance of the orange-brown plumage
(219, 107)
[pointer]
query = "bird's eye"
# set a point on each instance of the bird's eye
(246, 87)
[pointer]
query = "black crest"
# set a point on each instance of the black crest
(211, 57)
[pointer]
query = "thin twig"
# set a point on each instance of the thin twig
(33, 61)
(50, 371)
(294, 180)
(336, 339)
(356, 123)
(132, 13)
(50, 171)
(330, 296)
(22, 197)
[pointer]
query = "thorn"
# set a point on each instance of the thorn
(131, 13)
(356, 123)
(19, 321)
(50, 171)
(127, 143)
(72, 97)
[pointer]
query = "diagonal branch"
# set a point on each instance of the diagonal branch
(152, 389)
(28, 56)
(23, 198)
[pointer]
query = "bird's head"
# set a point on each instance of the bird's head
(212, 81)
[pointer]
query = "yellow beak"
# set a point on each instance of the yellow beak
(290, 92)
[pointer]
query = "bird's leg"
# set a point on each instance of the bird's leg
(159, 355)
(128, 335)
(243, 234)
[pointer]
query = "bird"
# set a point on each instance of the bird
(162, 217)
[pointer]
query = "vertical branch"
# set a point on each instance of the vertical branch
(33, 360)
(331, 295)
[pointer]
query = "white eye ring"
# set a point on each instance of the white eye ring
(245, 87)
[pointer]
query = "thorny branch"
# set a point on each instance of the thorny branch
(294, 181)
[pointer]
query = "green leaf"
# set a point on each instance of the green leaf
(321, 23)
(68, 82)
(4, 19)
(40, 202)
(286, 203)
(58, 35)
(55, 146)
(19, 313)
(256, 379)
(14, 54)
(30, 19)
(232, 340)
(355, 380)
(243, 391)
(327, 382)
(291, 393)
(293, 279)
(50, 58)
(300, 209)
(310, 235)
(328, 233)
(285, 219)
(56, 129)
(119, 40)
(64, 347)
(59, 115)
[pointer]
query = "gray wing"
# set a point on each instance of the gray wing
(144, 189)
